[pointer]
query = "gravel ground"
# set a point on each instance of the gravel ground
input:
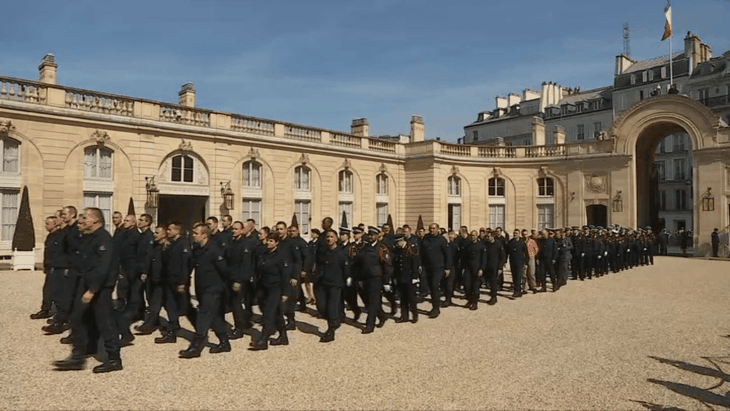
(652, 338)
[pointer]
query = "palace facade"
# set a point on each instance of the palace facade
(178, 161)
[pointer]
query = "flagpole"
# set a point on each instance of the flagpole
(671, 72)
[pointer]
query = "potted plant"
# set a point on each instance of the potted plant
(24, 237)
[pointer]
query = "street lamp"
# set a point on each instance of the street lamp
(153, 193)
(227, 194)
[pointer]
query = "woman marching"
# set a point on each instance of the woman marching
(271, 280)
(330, 275)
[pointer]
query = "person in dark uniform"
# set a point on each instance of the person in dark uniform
(435, 258)
(272, 277)
(211, 272)
(548, 255)
(156, 265)
(372, 267)
(405, 273)
(176, 283)
(241, 258)
(332, 271)
(227, 230)
(565, 248)
(350, 292)
(517, 256)
(474, 263)
(67, 283)
(290, 250)
(495, 255)
(139, 287)
(54, 267)
(663, 241)
(448, 281)
(92, 308)
(715, 240)
(304, 288)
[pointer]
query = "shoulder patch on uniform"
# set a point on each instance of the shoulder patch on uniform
(102, 248)
(220, 258)
(185, 250)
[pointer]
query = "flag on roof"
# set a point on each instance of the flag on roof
(668, 23)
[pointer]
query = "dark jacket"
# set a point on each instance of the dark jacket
(54, 253)
(333, 267)
(405, 264)
(95, 253)
(178, 264)
(548, 250)
(516, 251)
(270, 270)
(434, 252)
(241, 257)
(210, 267)
(475, 257)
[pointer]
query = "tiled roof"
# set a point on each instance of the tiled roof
(604, 92)
(642, 65)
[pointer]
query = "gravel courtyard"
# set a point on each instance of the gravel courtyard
(651, 338)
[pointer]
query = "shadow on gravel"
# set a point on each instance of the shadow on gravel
(706, 396)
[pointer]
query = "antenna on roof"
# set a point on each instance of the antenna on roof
(627, 49)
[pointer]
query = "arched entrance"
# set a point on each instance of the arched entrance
(597, 215)
(184, 189)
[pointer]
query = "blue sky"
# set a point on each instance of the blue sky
(324, 63)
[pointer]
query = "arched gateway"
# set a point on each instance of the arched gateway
(636, 134)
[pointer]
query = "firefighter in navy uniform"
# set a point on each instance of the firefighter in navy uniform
(436, 261)
(272, 277)
(405, 273)
(372, 266)
(474, 263)
(92, 312)
(332, 271)
(241, 255)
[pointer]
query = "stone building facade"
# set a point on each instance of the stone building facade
(82, 147)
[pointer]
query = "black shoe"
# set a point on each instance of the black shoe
(259, 345)
(381, 321)
(446, 303)
(167, 338)
(543, 290)
(356, 314)
(126, 340)
(235, 334)
(302, 308)
(433, 313)
(70, 363)
(401, 319)
(492, 301)
(328, 336)
(55, 328)
(534, 290)
(282, 339)
(67, 339)
(51, 320)
(224, 346)
(194, 350)
(474, 305)
(368, 330)
(516, 295)
(291, 325)
(111, 365)
(145, 329)
(415, 319)
(41, 315)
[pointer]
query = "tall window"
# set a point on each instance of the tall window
(9, 148)
(252, 175)
(680, 200)
(679, 169)
(496, 215)
(382, 210)
(662, 200)
(182, 168)
(381, 184)
(454, 216)
(496, 187)
(301, 178)
(9, 215)
(475, 134)
(345, 179)
(102, 201)
(679, 142)
(98, 163)
(596, 128)
(345, 210)
(545, 187)
(660, 170)
(302, 210)
(251, 209)
(581, 132)
(454, 186)
(544, 216)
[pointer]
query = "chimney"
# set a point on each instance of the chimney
(187, 95)
(623, 62)
(513, 99)
(48, 69)
(559, 135)
(538, 132)
(418, 129)
(360, 127)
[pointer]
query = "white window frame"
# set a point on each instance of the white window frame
(381, 184)
(97, 163)
(496, 187)
(454, 186)
(92, 199)
(545, 216)
(497, 219)
(252, 173)
(347, 207)
(9, 214)
(303, 211)
(302, 179)
(455, 221)
(248, 206)
(4, 150)
(182, 168)
(345, 180)
(381, 211)
(545, 187)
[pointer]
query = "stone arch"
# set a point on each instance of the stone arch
(464, 194)
(200, 185)
(358, 206)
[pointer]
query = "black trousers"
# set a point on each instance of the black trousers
(516, 267)
(472, 282)
(94, 319)
(177, 304)
(372, 288)
(61, 288)
(547, 267)
(328, 303)
(434, 275)
(492, 276)
(447, 283)
(211, 312)
(272, 310)
(156, 300)
(407, 295)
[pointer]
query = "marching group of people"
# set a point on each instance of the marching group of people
(237, 268)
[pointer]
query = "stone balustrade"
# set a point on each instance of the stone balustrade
(184, 115)
(497, 152)
(22, 90)
(459, 150)
(303, 133)
(99, 102)
(252, 125)
(346, 140)
(381, 145)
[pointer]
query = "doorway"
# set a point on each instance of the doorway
(186, 209)
(597, 215)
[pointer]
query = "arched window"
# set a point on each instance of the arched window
(98, 163)
(182, 169)
(381, 184)
(301, 178)
(11, 152)
(454, 186)
(251, 174)
(496, 187)
(345, 178)
(545, 187)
